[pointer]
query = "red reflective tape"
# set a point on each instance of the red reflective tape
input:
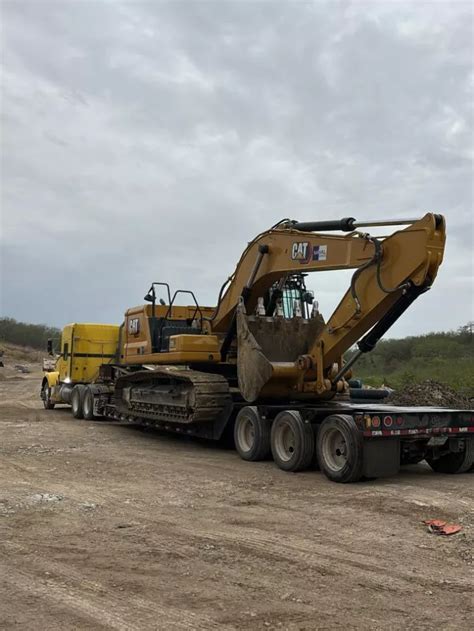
(424, 430)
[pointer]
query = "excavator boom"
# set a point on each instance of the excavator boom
(390, 273)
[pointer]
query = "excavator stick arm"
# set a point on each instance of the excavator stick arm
(409, 257)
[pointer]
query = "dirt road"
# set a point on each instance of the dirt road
(109, 527)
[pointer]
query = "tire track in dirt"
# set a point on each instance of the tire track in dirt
(309, 554)
(156, 532)
(313, 556)
(65, 586)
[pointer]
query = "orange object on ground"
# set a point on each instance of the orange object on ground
(440, 527)
(435, 523)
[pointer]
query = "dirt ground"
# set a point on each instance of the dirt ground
(105, 526)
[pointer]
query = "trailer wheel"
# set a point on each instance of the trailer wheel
(459, 462)
(251, 435)
(77, 398)
(46, 396)
(292, 441)
(88, 404)
(340, 449)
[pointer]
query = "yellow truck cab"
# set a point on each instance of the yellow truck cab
(84, 348)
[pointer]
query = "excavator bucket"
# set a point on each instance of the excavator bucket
(263, 342)
(253, 368)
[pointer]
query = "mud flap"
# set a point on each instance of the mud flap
(381, 458)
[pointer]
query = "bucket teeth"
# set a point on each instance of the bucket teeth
(279, 309)
(260, 310)
(297, 313)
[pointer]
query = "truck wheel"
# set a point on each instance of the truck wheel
(88, 404)
(292, 441)
(340, 449)
(459, 462)
(77, 397)
(251, 435)
(46, 396)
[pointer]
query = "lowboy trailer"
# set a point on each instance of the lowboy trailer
(347, 439)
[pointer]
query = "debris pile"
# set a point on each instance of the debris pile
(431, 393)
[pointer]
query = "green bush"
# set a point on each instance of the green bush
(446, 357)
(32, 335)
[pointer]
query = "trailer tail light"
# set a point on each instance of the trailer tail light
(399, 421)
(388, 421)
(376, 421)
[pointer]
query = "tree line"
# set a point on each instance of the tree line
(446, 357)
(23, 334)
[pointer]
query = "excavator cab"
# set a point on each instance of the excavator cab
(156, 329)
(174, 321)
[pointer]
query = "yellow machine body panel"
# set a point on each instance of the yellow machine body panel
(137, 346)
(84, 348)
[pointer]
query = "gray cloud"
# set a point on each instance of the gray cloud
(150, 141)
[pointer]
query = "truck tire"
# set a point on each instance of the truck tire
(251, 435)
(88, 404)
(292, 441)
(459, 462)
(46, 396)
(77, 398)
(340, 449)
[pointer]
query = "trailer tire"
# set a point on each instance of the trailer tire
(77, 401)
(88, 404)
(46, 396)
(252, 435)
(292, 441)
(460, 462)
(340, 449)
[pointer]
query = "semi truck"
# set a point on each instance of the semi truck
(264, 366)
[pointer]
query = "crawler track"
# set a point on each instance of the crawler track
(179, 395)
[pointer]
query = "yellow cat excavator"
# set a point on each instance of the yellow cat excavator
(264, 362)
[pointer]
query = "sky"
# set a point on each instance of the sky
(150, 141)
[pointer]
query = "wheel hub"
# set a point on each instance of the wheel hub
(335, 449)
(285, 442)
(246, 434)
